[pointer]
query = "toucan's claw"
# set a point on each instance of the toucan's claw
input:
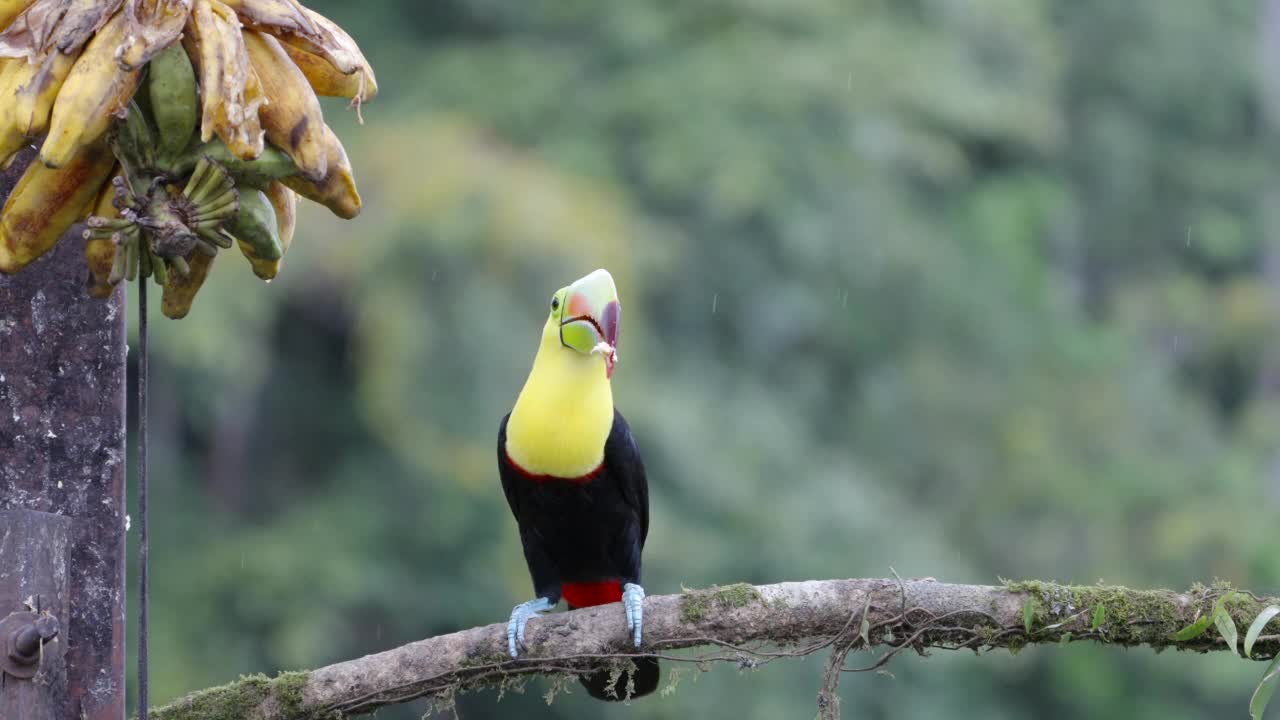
(520, 615)
(633, 601)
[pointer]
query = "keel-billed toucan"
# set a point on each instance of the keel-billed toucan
(573, 477)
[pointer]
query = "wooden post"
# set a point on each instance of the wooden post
(62, 452)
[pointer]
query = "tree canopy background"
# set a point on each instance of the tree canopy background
(966, 288)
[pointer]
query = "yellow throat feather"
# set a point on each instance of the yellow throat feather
(564, 413)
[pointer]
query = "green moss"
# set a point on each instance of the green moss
(287, 690)
(241, 699)
(1015, 644)
(695, 604)
(986, 635)
(1130, 615)
(485, 659)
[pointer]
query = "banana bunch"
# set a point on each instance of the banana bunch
(173, 129)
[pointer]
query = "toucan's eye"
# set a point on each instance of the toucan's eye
(555, 303)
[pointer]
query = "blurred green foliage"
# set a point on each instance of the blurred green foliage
(966, 288)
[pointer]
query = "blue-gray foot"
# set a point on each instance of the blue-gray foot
(520, 615)
(633, 601)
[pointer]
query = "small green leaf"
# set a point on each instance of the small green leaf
(1028, 614)
(1099, 617)
(1195, 629)
(1255, 629)
(1066, 638)
(1227, 628)
(865, 629)
(1266, 688)
(1220, 606)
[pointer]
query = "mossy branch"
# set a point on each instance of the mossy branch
(748, 626)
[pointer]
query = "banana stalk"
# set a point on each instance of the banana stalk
(215, 151)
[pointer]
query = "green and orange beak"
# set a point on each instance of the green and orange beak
(589, 317)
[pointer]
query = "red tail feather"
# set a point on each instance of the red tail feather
(580, 595)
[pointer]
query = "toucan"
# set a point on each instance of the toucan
(574, 480)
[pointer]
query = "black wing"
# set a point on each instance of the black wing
(622, 460)
(542, 570)
(506, 471)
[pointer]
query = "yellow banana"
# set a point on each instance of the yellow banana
(326, 54)
(38, 89)
(292, 119)
(10, 9)
(338, 189)
(308, 30)
(46, 201)
(330, 42)
(180, 291)
(11, 136)
(327, 81)
(95, 90)
(231, 93)
(99, 251)
(153, 26)
(279, 15)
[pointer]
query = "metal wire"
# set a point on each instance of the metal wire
(142, 500)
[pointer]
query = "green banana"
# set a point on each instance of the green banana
(255, 227)
(174, 104)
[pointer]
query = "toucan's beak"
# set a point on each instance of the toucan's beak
(590, 316)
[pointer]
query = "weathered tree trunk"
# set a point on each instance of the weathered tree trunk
(747, 626)
(62, 450)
